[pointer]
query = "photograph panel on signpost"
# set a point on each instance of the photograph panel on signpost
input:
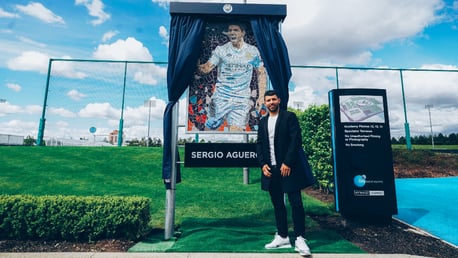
(361, 108)
(226, 93)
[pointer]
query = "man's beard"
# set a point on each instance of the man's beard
(273, 108)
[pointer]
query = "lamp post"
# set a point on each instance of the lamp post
(298, 104)
(149, 103)
(430, 123)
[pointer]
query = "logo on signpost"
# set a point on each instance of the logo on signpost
(359, 180)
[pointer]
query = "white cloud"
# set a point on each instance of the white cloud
(19, 127)
(13, 86)
(109, 35)
(39, 62)
(149, 74)
(29, 61)
(5, 14)
(162, 3)
(7, 108)
(95, 8)
(347, 31)
(76, 95)
(67, 69)
(62, 124)
(31, 42)
(437, 88)
(129, 49)
(61, 112)
(99, 110)
(145, 78)
(33, 109)
(163, 33)
(40, 12)
(316, 32)
(139, 115)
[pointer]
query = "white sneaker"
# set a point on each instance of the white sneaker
(278, 242)
(302, 247)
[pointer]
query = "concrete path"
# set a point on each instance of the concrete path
(195, 255)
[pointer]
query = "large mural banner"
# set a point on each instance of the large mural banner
(226, 93)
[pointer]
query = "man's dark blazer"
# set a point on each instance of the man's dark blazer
(287, 142)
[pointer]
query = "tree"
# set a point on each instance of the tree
(155, 142)
(440, 139)
(29, 141)
(133, 142)
(452, 139)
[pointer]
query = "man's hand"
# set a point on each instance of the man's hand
(206, 67)
(266, 170)
(285, 170)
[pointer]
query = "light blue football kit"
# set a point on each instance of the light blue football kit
(231, 99)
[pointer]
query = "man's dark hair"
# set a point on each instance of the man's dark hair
(240, 24)
(270, 93)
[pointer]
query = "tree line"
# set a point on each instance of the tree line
(439, 139)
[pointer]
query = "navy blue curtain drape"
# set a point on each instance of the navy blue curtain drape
(184, 49)
(186, 32)
(274, 54)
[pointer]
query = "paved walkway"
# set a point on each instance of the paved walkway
(195, 255)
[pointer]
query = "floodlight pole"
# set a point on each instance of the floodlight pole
(428, 106)
(298, 104)
(150, 104)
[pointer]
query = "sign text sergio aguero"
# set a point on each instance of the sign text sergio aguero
(220, 155)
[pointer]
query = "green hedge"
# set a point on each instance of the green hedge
(316, 139)
(73, 217)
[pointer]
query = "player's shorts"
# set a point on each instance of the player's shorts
(234, 109)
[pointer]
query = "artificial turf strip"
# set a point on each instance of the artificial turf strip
(234, 235)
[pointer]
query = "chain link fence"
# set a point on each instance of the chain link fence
(103, 102)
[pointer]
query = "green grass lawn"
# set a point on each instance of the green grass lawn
(426, 147)
(133, 171)
(212, 204)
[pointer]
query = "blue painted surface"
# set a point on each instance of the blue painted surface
(430, 204)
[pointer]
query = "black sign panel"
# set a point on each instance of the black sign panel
(220, 155)
(363, 163)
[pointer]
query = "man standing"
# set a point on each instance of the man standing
(279, 139)
(236, 61)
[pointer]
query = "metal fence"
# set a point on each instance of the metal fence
(103, 102)
(8, 139)
(94, 102)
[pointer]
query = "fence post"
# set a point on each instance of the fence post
(41, 127)
(121, 120)
(406, 123)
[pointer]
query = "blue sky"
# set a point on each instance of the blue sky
(382, 33)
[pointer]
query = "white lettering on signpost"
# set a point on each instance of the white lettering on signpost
(207, 155)
(241, 155)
